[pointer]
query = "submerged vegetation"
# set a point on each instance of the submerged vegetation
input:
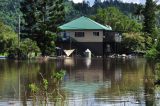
(133, 41)
(41, 92)
(27, 48)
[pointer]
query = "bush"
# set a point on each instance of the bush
(133, 41)
(24, 50)
(16, 52)
(152, 54)
(7, 37)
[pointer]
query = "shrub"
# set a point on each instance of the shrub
(133, 42)
(152, 54)
(16, 52)
(7, 37)
(24, 50)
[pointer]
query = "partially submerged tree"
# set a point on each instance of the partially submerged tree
(7, 37)
(26, 49)
(42, 18)
(134, 42)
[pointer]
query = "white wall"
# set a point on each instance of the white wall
(88, 36)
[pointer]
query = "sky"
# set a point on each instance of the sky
(134, 1)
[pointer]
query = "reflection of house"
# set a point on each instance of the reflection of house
(90, 75)
(79, 69)
(84, 33)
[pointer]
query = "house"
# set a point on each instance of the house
(84, 33)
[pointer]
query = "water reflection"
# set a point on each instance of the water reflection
(88, 62)
(69, 61)
(88, 82)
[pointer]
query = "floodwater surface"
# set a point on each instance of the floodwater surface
(87, 82)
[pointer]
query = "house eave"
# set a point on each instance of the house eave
(84, 30)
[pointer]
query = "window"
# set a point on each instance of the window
(79, 34)
(95, 33)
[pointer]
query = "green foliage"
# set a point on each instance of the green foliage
(45, 84)
(29, 45)
(158, 44)
(16, 52)
(47, 44)
(83, 7)
(139, 12)
(43, 92)
(149, 18)
(149, 43)
(117, 20)
(9, 12)
(34, 88)
(59, 75)
(154, 49)
(7, 37)
(24, 50)
(152, 54)
(75, 10)
(41, 20)
(133, 42)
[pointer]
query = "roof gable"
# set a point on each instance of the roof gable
(84, 23)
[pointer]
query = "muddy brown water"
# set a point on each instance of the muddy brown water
(87, 82)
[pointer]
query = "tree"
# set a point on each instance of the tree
(9, 11)
(149, 18)
(7, 37)
(83, 7)
(101, 16)
(117, 20)
(133, 41)
(42, 18)
(25, 50)
(139, 11)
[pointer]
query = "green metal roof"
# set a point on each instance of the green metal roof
(84, 23)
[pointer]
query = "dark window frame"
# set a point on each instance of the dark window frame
(95, 33)
(79, 34)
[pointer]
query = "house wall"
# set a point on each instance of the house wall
(88, 36)
(80, 47)
(97, 44)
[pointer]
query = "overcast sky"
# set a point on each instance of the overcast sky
(134, 1)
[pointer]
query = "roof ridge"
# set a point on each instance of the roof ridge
(102, 26)
(84, 22)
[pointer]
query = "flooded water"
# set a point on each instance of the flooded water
(87, 82)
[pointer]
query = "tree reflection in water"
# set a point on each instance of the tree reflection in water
(149, 88)
(157, 82)
(87, 82)
(127, 79)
